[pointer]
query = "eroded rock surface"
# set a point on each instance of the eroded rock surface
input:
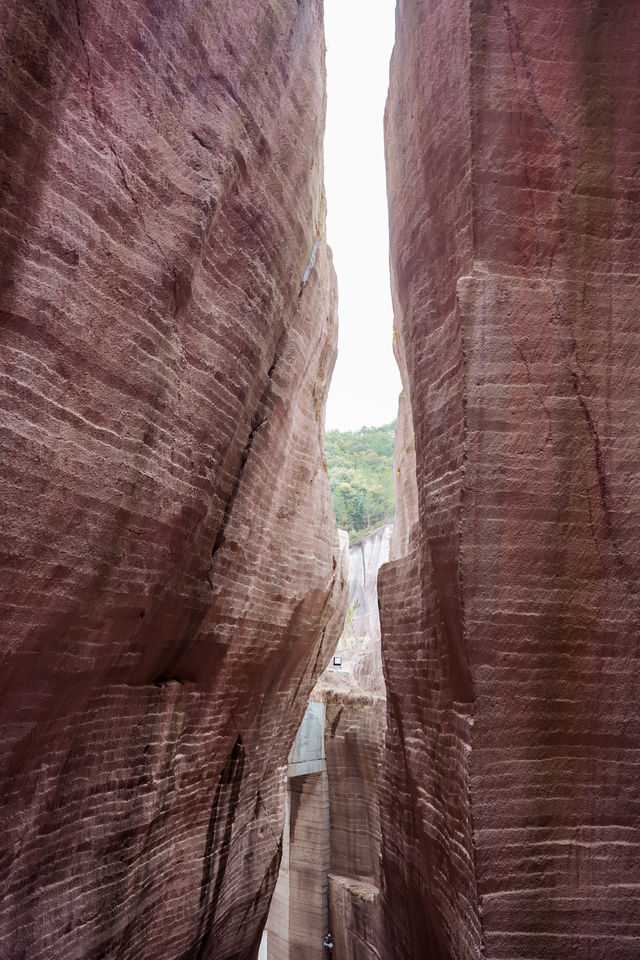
(510, 808)
(354, 907)
(359, 645)
(329, 877)
(172, 584)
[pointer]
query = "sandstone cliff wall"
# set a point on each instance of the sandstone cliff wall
(510, 632)
(354, 739)
(329, 876)
(360, 642)
(171, 582)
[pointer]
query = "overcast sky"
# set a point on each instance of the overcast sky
(366, 384)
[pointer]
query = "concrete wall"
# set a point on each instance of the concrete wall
(298, 918)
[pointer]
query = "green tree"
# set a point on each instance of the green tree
(360, 465)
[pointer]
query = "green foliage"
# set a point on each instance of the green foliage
(360, 465)
(349, 620)
(349, 636)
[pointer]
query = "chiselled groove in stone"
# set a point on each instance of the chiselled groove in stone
(119, 164)
(603, 485)
(533, 385)
(268, 882)
(260, 419)
(162, 191)
(218, 844)
(201, 140)
(513, 181)
(515, 33)
(145, 864)
(84, 45)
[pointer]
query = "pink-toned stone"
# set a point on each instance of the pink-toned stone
(354, 908)
(330, 870)
(171, 578)
(406, 492)
(359, 646)
(510, 811)
(354, 738)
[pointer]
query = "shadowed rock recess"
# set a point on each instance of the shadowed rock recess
(172, 583)
(329, 875)
(510, 804)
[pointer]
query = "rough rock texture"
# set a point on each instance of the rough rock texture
(329, 877)
(365, 560)
(171, 578)
(354, 738)
(510, 808)
(298, 917)
(354, 742)
(354, 908)
(354, 697)
(406, 491)
(332, 828)
(360, 642)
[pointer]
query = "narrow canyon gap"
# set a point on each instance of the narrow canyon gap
(172, 582)
(510, 809)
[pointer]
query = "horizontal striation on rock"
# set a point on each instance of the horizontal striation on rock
(359, 646)
(354, 908)
(353, 742)
(172, 583)
(510, 636)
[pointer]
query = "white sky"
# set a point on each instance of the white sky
(366, 383)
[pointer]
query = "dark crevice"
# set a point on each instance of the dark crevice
(533, 386)
(162, 681)
(592, 528)
(269, 880)
(260, 803)
(335, 722)
(218, 846)
(220, 536)
(201, 141)
(318, 654)
(513, 31)
(603, 485)
(260, 418)
(82, 41)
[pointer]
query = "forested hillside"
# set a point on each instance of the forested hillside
(360, 467)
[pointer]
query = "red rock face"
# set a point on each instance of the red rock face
(510, 807)
(354, 737)
(171, 579)
(354, 908)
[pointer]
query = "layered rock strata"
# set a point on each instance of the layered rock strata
(172, 584)
(354, 742)
(354, 910)
(359, 645)
(329, 875)
(298, 919)
(510, 808)
(329, 878)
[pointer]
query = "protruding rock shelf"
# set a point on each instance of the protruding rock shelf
(172, 584)
(511, 642)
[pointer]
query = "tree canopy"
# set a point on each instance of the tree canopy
(360, 465)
